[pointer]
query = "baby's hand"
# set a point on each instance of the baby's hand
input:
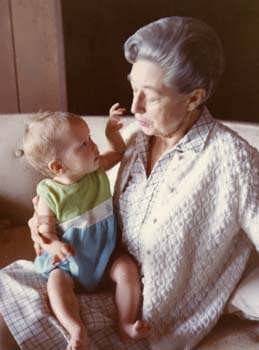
(59, 251)
(114, 123)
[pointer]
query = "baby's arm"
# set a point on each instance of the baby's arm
(47, 229)
(116, 142)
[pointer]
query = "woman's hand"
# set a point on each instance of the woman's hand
(47, 241)
(35, 236)
(33, 224)
(59, 251)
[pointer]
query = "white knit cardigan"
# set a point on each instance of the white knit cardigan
(194, 237)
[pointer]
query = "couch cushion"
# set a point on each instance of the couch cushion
(249, 131)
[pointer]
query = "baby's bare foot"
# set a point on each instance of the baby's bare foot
(78, 340)
(137, 330)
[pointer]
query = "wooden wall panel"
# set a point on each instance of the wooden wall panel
(96, 69)
(8, 88)
(38, 41)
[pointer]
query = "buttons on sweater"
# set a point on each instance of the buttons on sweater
(178, 156)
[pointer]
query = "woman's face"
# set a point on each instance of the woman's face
(159, 110)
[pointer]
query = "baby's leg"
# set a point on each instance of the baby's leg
(65, 307)
(124, 273)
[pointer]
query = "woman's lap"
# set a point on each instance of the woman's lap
(24, 306)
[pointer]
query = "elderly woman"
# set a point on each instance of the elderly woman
(186, 196)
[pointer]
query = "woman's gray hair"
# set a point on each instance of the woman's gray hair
(188, 50)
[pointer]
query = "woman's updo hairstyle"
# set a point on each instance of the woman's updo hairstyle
(188, 51)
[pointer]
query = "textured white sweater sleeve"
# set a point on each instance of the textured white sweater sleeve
(249, 195)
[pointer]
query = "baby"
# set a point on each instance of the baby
(76, 220)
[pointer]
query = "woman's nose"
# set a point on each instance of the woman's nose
(138, 105)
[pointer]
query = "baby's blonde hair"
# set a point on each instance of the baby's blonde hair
(42, 140)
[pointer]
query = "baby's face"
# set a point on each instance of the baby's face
(80, 154)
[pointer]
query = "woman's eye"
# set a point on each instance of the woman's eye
(153, 98)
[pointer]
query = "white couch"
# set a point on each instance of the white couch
(17, 187)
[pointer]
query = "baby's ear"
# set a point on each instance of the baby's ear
(56, 166)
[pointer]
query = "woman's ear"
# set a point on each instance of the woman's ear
(196, 98)
(56, 166)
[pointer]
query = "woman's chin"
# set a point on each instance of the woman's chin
(146, 129)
